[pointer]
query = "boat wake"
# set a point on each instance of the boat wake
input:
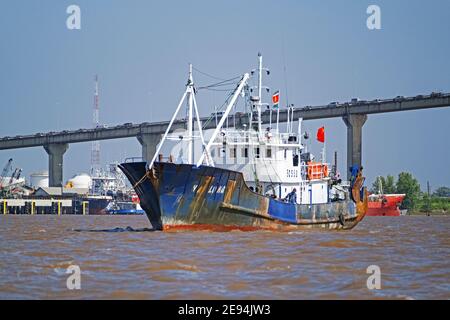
(117, 229)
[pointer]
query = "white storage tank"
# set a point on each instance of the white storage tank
(82, 180)
(39, 179)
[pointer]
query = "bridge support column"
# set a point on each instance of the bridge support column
(354, 123)
(149, 142)
(55, 153)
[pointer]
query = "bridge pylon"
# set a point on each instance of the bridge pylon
(149, 142)
(55, 153)
(354, 123)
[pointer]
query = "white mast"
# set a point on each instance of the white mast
(224, 118)
(192, 105)
(288, 118)
(190, 90)
(380, 186)
(209, 160)
(258, 106)
(158, 149)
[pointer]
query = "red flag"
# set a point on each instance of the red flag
(321, 134)
(276, 99)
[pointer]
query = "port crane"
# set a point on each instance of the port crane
(6, 186)
(5, 172)
(15, 176)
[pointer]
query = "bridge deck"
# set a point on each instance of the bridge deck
(436, 100)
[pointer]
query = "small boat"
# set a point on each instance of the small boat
(124, 208)
(381, 204)
(385, 205)
(246, 178)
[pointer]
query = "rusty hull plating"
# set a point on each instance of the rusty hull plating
(186, 197)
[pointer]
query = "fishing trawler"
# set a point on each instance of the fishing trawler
(247, 176)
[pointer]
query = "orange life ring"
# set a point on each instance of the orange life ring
(317, 170)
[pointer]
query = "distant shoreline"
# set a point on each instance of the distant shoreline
(432, 213)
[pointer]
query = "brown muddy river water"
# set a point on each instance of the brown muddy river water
(413, 254)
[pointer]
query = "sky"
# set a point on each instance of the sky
(317, 51)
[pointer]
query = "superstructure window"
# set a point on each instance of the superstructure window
(233, 153)
(268, 153)
(245, 152)
(295, 160)
(257, 153)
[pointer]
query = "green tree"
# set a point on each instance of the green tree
(443, 192)
(408, 185)
(387, 184)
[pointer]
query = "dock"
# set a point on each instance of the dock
(34, 206)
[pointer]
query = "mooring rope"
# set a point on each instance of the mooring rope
(146, 175)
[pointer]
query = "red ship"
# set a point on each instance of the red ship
(385, 204)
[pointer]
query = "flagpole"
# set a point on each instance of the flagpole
(321, 138)
(324, 147)
(288, 118)
(278, 117)
(275, 104)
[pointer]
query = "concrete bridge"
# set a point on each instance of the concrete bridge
(353, 113)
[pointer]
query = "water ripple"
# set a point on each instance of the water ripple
(122, 258)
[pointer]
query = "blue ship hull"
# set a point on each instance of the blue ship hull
(185, 196)
(125, 212)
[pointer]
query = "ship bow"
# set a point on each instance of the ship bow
(143, 185)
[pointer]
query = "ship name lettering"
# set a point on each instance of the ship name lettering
(292, 173)
(216, 189)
